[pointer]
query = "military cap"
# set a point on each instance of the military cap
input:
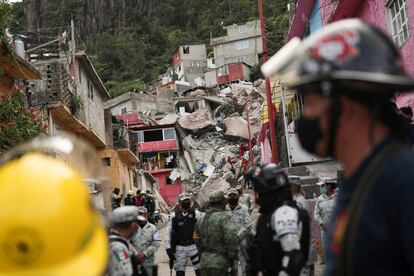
(216, 196)
(124, 214)
(232, 191)
(184, 196)
(294, 180)
(142, 209)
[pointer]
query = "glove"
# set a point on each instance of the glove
(293, 262)
(170, 253)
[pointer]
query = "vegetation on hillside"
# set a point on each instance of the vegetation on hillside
(141, 51)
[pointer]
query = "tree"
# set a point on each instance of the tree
(17, 124)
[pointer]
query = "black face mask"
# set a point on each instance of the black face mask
(233, 201)
(142, 223)
(186, 205)
(309, 132)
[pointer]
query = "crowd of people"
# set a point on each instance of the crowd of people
(348, 73)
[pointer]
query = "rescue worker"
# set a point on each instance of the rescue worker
(216, 238)
(41, 235)
(347, 73)
(146, 240)
(282, 233)
(245, 198)
(116, 198)
(129, 200)
(123, 260)
(324, 206)
(240, 217)
(180, 244)
(300, 200)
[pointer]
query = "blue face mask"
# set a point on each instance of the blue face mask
(323, 190)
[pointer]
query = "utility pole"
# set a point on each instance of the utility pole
(270, 111)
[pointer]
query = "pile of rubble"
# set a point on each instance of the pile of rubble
(215, 141)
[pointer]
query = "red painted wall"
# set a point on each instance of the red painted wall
(168, 192)
(236, 72)
(158, 146)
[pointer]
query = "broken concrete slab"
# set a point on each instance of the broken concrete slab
(197, 122)
(197, 93)
(236, 128)
(169, 119)
(212, 184)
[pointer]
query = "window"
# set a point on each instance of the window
(169, 134)
(186, 50)
(242, 44)
(140, 136)
(398, 20)
(222, 71)
(195, 64)
(242, 28)
(239, 59)
(90, 90)
(106, 161)
(153, 135)
(124, 110)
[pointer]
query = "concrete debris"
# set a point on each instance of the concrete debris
(236, 128)
(175, 174)
(213, 184)
(197, 93)
(197, 122)
(224, 92)
(168, 119)
(209, 170)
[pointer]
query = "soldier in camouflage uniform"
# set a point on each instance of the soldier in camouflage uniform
(241, 219)
(146, 240)
(245, 199)
(122, 260)
(216, 238)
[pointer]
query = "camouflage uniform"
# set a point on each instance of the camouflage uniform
(120, 256)
(248, 201)
(147, 240)
(241, 219)
(217, 239)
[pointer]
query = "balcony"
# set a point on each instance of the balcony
(158, 146)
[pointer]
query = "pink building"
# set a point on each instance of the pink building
(395, 17)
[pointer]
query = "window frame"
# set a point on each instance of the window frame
(90, 90)
(164, 136)
(398, 21)
(241, 44)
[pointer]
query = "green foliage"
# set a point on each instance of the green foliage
(17, 124)
(76, 104)
(141, 51)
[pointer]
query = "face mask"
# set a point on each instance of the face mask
(186, 205)
(233, 201)
(309, 133)
(142, 223)
(323, 190)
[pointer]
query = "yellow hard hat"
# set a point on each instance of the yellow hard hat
(48, 224)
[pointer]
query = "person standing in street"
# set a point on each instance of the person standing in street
(281, 243)
(116, 198)
(216, 237)
(245, 198)
(123, 260)
(300, 200)
(146, 240)
(180, 244)
(138, 199)
(149, 203)
(324, 207)
(129, 199)
(347, 73)
(240, 217)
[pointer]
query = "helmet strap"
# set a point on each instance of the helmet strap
(334, 114)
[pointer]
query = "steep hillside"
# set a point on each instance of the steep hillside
(131, 40)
